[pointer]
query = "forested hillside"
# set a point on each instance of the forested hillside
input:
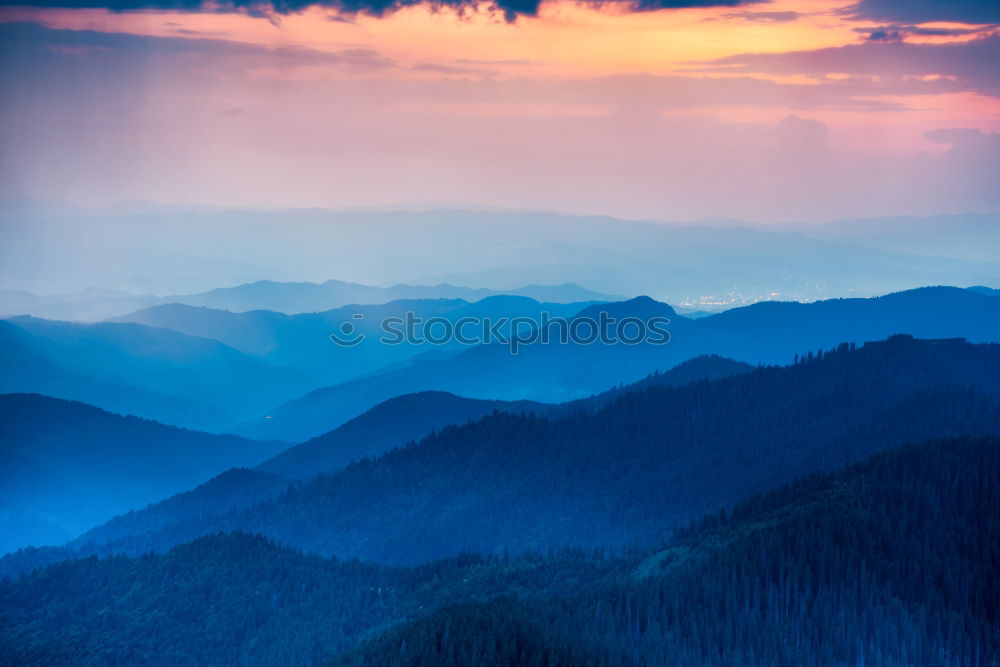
(627, 473)
(389, 425)
(412, 417)
(890, 562)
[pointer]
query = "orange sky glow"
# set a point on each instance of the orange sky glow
(805, 67)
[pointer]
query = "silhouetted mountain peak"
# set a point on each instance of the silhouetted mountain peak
(643, 307)
(68, 465)
(928, 295)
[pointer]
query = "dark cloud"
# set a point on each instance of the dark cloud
(925, 11)
(510, 9)
(652, 5)
(21, 42)
(897, 33)
(972, 64)
(886, 35)
(35, 59)
(274, 8)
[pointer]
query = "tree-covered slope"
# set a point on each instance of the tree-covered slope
(228, 599)
(389, 425)
(892, 562)
(412, 417)
(629, 471)
(889, 562)
(386, 426)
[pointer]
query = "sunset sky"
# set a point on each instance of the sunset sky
(770, 111)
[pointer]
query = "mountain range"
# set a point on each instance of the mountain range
(272, 376)
(735, 262)
(411, 417)
(303, 341)
(626, 471)
(779, 568)
(767, 332)
(393, 424)
(571, 504)
(67, 466)
(149, 372)
(289, 298)
(210, 369)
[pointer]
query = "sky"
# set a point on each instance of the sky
(789, 110)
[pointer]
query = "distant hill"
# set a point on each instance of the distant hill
(282, 297)
(767, 332)
(387, 426)
(684, 264)
(149, 372)
(303, 341)
(779, 566)
(312, 297)
(413, 416)
(629, 471)
(26, 368)
(970, 236)
(67, 466)
(279, 377)
(233, 489)
(988, 291)
(699, 369)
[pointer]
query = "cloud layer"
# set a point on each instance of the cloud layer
(927, 11)
(96, 117)
(510, 9)
(971, 65)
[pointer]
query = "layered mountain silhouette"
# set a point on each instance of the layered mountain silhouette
(969, 236)
(303, 342)
(767, 332)
(989, 291)
(281, 297)
(280, 377)
(387, 426)
(624, 473)
(412, 416)
(499, 249)
(760, 584)
(149, 372)
(67, 466)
